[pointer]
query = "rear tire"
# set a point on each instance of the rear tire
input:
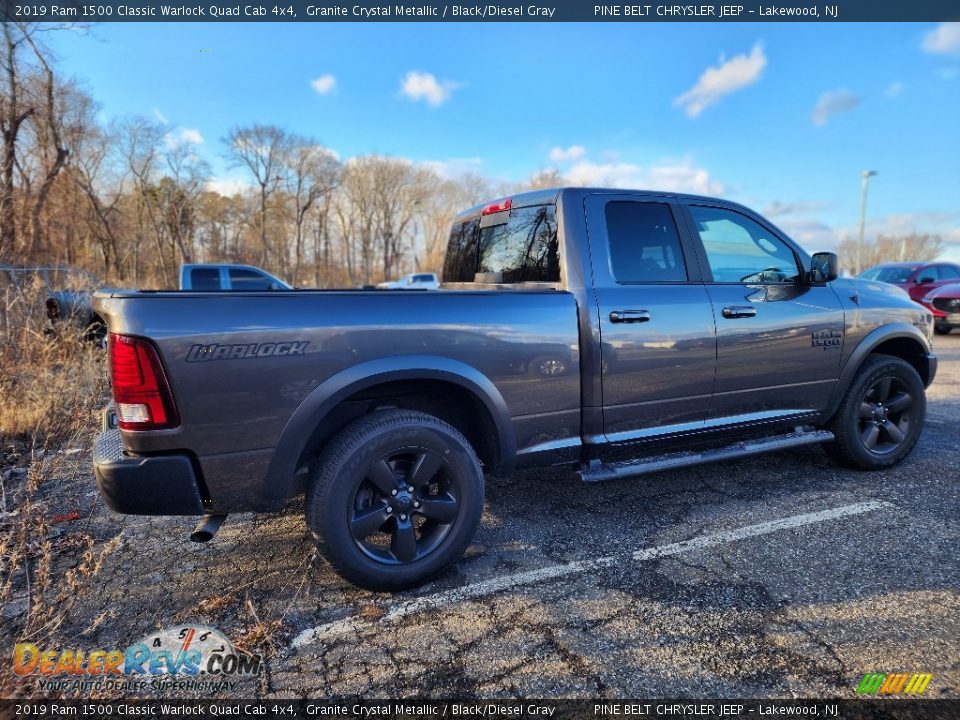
(396, 499)
(881, 416)
(942, 329)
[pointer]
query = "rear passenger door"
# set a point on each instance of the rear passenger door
(656, 325)
(779, 338)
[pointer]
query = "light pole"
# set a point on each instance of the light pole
(864, 181)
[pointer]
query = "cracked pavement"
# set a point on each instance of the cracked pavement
(800, 612)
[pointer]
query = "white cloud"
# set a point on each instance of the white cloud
(424, 86)
(893, 90)
(574, 152)
(191, 135)
(453, 168)
(187, 135)
(943, 39)
(161, 117)
(612, 174)
(324, 84)
(724, 78)
(833, 102)
(227, 186)
(669, 175)
(779, 208)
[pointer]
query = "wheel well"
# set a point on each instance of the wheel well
(908, 350)
(446, 400)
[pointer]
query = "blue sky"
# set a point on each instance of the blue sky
(783, 117)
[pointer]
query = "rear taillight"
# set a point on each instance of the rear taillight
(141, 392)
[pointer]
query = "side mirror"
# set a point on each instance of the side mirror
(824, 267)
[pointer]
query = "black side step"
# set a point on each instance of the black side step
(597, 471)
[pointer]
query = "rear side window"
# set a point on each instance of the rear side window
(523, 249)
(460, 264)
(241, 279)
(644, 243)
(205, 279)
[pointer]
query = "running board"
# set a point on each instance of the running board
(597, 471)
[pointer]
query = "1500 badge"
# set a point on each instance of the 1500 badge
(827, 339)
(204, 353)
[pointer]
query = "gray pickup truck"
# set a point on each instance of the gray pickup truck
(617, 332)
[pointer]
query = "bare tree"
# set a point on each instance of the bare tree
(311, 172)
(14, 111)
(444, 199)
(895, 248)
(260, 149)
(186, 176)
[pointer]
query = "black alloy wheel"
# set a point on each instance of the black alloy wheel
(396, 498)
(404, 506)
(881, 415)
(885, 415)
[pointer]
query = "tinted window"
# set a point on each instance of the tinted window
(949, 272)
(205, 279)
(644, 244)
(423, 278)
(888, 274)
(523, 249)
(928, 274)
(741, 250)
(460, 264)
(241, 279)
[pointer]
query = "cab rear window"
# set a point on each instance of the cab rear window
(518, 245)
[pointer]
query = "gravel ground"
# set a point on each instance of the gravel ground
(552, 600)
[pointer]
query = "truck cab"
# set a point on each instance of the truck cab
(225, 276)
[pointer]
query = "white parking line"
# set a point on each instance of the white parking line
(531, 577)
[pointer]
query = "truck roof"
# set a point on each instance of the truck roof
(549, 195)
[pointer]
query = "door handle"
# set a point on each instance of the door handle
(739, 311)
(630, 316)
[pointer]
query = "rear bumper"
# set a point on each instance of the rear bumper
(156, 485)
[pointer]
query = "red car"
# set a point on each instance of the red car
(917, 278)
(944, 302)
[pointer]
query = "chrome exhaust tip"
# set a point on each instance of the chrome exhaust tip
(207, 528)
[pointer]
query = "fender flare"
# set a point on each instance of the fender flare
(864, 348)
(322, 399)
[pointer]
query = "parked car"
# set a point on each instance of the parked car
(415, 281)
(676, 318)
(226, 276)
(67, 295)
(916, 278)
(944, 303)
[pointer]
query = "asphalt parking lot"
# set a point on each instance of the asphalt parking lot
(779, 576)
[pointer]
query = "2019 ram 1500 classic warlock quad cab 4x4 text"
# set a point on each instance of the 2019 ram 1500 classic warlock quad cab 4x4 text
(619, 332)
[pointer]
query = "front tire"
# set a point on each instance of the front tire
(396, 498)
(881, 416)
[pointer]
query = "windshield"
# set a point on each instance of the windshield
(889, 273)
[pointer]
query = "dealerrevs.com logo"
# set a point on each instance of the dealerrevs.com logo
(894, 683)
(183, 657)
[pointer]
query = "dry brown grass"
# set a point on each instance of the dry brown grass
(52, 386)
(52, 383)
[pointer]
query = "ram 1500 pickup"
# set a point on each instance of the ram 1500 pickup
(619, 332)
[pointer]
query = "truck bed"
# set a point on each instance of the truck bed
(240, 364)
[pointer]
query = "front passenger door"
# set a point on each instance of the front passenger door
(779, 338)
